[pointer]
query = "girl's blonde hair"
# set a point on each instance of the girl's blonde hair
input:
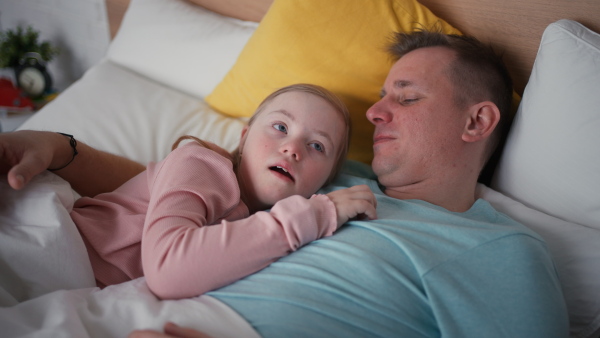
(319, 91)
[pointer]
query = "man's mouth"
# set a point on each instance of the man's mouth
(282, 171)
(381, 139)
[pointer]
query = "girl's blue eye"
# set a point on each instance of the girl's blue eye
(281, 127)
(318, 147)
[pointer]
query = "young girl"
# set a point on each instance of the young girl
(192, 222)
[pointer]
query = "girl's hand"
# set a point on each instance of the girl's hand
(171, 331)
(357, 201)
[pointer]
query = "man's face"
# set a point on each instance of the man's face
(418, 126)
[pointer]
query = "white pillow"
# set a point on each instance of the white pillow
(551, 165)
(180, 44)
(575, 250)
(116, 110)
(551, 161)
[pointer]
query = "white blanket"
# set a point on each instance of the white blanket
(40, 247)
(47, 287)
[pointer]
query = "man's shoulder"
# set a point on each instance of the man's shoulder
(499, 218)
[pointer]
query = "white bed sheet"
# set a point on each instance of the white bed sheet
(47, 286)
(40, 248)
(115, 312)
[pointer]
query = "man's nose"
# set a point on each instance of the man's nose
(379, 112)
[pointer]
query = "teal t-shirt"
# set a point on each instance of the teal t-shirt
(417, 271)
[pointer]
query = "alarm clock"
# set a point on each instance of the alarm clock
(32, 76)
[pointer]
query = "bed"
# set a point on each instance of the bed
(177, 67)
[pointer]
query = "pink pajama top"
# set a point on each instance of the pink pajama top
(181, 223)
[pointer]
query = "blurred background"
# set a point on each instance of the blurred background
(79, 28)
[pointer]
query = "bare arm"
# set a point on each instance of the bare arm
(24, 154)
(94, 171)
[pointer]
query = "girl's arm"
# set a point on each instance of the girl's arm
(184, 256)
(188, 262)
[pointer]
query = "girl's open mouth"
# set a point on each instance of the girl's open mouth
(282, 171)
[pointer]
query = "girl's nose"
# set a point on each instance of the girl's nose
(292, 149)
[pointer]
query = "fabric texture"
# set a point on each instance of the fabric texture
(116, 311)
(339, 45)
(41, 250)
(158, 225)
(418, 271)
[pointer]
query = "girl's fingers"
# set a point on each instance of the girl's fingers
(182, 332)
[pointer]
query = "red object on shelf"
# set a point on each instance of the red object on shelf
(12, 98)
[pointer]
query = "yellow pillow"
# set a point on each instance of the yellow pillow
(339, 45)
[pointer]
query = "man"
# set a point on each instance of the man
(437, 262)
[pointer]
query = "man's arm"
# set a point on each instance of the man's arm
(24, 154)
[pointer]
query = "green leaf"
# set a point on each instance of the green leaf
(14, 43)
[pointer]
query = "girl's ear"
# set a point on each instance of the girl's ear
(482, 120)
(243, 138)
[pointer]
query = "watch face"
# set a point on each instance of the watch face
(32, 81)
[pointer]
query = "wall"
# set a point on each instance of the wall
(78, 27)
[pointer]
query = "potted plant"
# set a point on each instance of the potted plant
(21, 51)
(15, 43)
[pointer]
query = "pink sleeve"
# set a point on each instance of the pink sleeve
(184, 256)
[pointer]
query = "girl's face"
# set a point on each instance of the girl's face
(290, 149)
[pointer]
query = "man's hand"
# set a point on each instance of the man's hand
(24, 154)
(357, 201)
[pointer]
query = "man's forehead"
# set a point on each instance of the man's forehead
(426, 58)
(417, 67)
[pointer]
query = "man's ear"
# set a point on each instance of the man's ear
(482, 120)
